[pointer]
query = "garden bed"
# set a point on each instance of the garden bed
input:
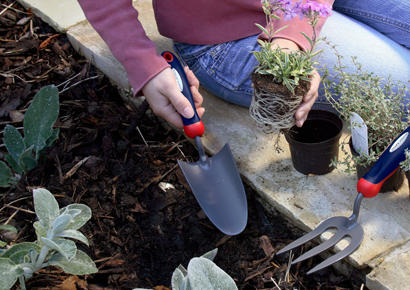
(145, 220)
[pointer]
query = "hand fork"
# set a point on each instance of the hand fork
(368, 186)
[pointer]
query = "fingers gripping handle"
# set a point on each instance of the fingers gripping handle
(369, 185)
(193, 127)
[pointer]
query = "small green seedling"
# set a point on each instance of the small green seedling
(23, 152)
(55, 230)
(202, 273)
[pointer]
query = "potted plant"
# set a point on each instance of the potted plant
(282, 77)
(382, 110)
(281, 80)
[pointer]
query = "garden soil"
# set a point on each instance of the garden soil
(121, 161)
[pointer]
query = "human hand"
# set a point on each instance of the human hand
(309, 99)
(166, 100)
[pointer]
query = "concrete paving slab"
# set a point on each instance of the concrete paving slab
(61, 14)
(391, 271)
(306, 200)
(88, 43)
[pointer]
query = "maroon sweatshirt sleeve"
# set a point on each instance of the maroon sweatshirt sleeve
(296, 26)
(117, 23)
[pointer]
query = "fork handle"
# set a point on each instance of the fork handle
(387, 164)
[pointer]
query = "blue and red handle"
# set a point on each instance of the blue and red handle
(387, 164)
(193, 127)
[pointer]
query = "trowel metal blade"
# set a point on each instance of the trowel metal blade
(218, 188)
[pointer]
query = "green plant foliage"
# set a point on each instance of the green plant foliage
(380, 103)
(405, 165)
(6, 175)
(40, 118)
(38, 134)
(53, 228)
(285, 68)
(288, 67)
(202, 273)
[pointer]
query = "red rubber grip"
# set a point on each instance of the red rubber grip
(194, 130)
(369, 189)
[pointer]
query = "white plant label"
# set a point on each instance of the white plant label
(359, 134)
(178, 78)
(399, 142)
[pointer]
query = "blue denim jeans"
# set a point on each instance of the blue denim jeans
(378, 37)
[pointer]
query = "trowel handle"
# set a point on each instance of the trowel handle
(369, 185)
(193, 127)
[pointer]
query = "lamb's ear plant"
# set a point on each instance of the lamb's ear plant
(202, 273)
(55, 229)
(380, 103)
(24, 152)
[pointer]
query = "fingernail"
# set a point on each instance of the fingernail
(188, 112)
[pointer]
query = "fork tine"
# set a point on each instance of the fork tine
(322, 247)
(357, 237)
(309, 236)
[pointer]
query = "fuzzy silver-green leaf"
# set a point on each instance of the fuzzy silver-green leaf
(46, 207)
(205, 274)
(65, 247)
(81, 264)
(81, 216)
(73, 234)
(5, 175)
(14, 142)
(9, 273)
(40, 117)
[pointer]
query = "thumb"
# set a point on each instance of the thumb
(181, 104)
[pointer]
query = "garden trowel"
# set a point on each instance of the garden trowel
(215, 181)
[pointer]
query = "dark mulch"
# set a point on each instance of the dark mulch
(139, 233)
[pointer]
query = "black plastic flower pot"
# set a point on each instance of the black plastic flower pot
(392, 184)
(316, 143)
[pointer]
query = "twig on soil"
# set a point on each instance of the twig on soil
(73, 170)
(142, 136)
(107, 258)
(32, 33)
(156, 179)
(60, 171)
(7, 8)
(79, 82)
(9, 122)
(19, 208)
(11, 217)
(257, 273)
(14, 201)
(14, 9)
(288, 268)
(176, 145)
(274, 282)
(66, 82)
(223, 240)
